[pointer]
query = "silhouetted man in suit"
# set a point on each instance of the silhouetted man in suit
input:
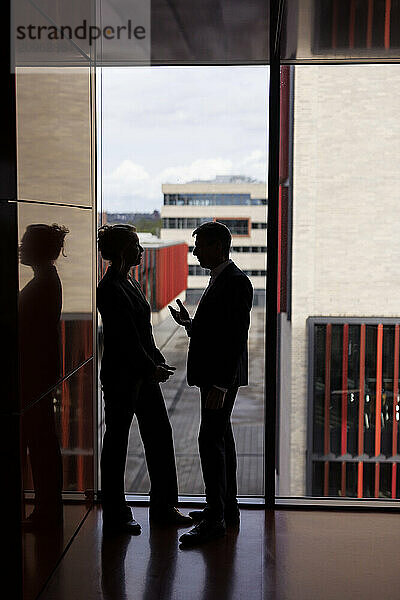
(217, 363)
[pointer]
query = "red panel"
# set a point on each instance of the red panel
(327, 445)
(334, 22)
(360, 480)
(169, 270)
(378, 404)
(387, 23)
(369, 22)
(171, 273)
(352, 20)
(360, 484)
(81, 433)
(65, 415)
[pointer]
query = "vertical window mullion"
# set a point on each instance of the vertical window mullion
(395, 413)
(327, 432)
(271, 341)
(343, 444)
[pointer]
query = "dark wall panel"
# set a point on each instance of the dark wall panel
(57, 460)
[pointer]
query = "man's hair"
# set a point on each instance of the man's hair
(215, 232)
(113, 239)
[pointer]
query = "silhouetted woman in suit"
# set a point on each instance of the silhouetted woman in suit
(132, 368)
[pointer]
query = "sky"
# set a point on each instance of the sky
(175, 124)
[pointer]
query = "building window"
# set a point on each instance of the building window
(259, 225)
(243, 249)
(236, 226)
(249, 249)
(355, 408)
(255, 272)
(199, 271)
(361, 25)
(183, 222)
(213, 200)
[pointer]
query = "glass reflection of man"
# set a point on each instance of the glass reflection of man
(39, 311)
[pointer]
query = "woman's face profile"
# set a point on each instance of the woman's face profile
(133, 252)
(29, 253)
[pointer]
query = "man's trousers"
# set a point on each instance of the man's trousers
(218, 455)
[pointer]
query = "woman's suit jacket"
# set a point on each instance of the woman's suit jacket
(129, 347)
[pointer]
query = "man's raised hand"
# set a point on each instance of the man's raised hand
(181, 316)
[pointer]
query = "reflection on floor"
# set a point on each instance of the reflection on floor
(286, 555)
(44, 544)
(183, 408)
(152, 566)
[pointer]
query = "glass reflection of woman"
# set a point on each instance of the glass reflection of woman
(39, 311)
(131, 369)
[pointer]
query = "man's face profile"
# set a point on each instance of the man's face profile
(206, 251)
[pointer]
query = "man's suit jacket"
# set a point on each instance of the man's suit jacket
(129, 347)
(219, 331)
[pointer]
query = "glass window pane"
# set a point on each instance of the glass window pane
(333, 30)
(54, 135)
(338, 310)
(183, 153)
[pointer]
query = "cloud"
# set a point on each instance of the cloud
(255, 164)
(184, 109)
(207, 168)
(254, 156)
(127, 182)
(130, 187)
(129, 172)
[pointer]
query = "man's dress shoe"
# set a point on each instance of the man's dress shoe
(231, 517)
(170, 516)
(203, 532)
(131, 527)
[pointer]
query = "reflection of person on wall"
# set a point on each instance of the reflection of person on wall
(131, 369)
(217, 363)
(39, 311)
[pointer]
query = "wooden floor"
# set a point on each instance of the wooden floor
(183, 407)
(152, 566)
(286, 555)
